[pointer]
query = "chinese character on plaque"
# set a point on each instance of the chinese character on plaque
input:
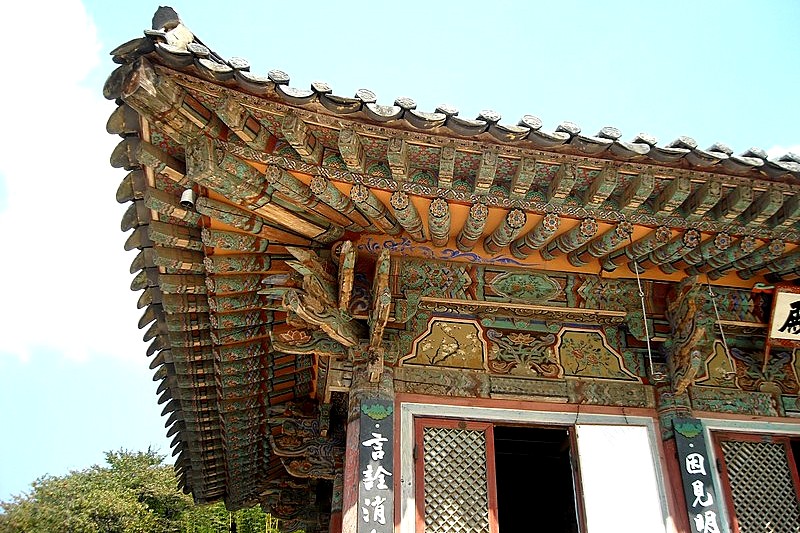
(696, 473)
(376, 464)
(784, 328)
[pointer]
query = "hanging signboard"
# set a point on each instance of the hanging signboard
(375, 465)
(698, 487)
(784, 326)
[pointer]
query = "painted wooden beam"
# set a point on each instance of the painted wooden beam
(601, 187)
(302, 139)
(762, 208)
(174, 236)
(638, 190)
(672, 196)
(765, 254)
(407, 215)
(244, 125)
(486, 172)
(372, 207)
(300, 194)
(536, 237)
(439, 221)
(739, 249)
(381, 300)
(733, 204)
(507, 231)
(174, 260)
(447, 161)
(571, 239)
(232, 263)
(787, 214)
(397, 157)
(248, 221)
(328, 193)
(169, 205)
(708, 248)
(162, 163)
(234, 241)
(244, 185)
(637, 249)
(523, 178)
(601, 245)
(346, 274)
(352, 150)
(778, 267)
(562, 183)
(226, 174)
(677, 247)
(473, 227)
(701, 200)
(168, 105)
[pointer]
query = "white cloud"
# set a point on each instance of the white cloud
(63, 266)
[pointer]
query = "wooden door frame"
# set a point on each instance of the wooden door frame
(420, 423)
(719, 436)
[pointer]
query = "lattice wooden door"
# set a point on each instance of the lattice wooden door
(763, 485)
(455, 486)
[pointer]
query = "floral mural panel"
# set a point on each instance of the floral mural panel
(523, 354)
(450, 343)
(587, 353)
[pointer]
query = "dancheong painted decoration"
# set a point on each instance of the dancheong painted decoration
(368, 317)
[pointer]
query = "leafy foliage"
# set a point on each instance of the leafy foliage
(134, 493)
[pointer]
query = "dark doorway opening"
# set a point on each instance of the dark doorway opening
(535, 482)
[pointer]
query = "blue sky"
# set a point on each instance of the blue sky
(74, 380)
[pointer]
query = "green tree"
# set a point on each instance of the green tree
(135, 492)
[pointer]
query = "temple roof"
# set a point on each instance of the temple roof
(235, 72)
(247, 194)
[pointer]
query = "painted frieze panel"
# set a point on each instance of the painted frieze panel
(379, 170)
(607, 392)
(718, 369)
(587, 353)
(611, 294)
(730, 401)
(374, 147)
(791, 405)
(166, 143)
(466, 166)
(423, 157)
(506, 168)
(513, 387)
(329, 137)
(519, 285)
(332, 158)
(432, 278)
(422, 177)
(523, 353)
(449, 342)
(774, 371)
(441, 382)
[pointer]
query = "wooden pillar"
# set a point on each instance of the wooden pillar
(669, 406)
(361, 391)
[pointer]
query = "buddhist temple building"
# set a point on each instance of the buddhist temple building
(370, 318)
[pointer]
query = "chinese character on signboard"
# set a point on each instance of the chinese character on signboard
(375, 460)
(784, 328)
(696, 472)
